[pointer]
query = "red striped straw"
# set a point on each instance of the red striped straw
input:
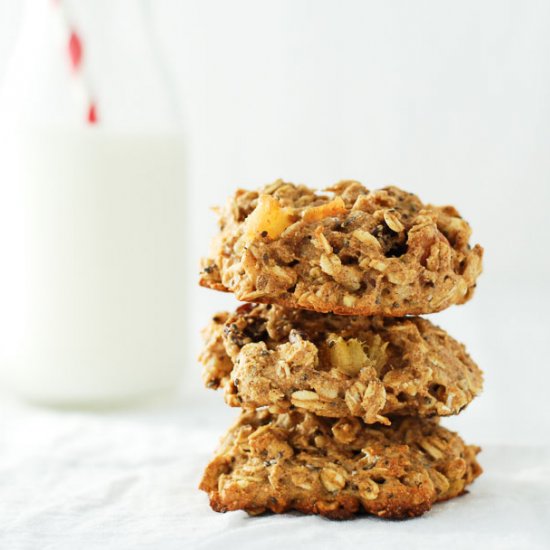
(73, 44)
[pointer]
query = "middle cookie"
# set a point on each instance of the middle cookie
(337, 366)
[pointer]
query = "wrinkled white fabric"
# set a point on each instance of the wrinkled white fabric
(122, 480)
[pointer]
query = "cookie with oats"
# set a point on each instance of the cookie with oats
(337, 366)
(337, 468)
(352, 251)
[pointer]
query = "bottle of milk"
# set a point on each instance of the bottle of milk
(92, 198)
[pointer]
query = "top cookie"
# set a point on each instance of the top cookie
(356, 252)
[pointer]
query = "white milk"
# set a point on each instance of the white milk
(92, 272)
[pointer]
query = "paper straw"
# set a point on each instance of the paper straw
(73, 44)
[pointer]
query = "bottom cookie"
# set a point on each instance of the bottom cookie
(337, 468)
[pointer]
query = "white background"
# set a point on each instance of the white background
(447, 99)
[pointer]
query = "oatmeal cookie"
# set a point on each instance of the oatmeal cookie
(337, 366)
(337, 468)
(353, 252)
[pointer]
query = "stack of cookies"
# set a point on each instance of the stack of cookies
(341, 385)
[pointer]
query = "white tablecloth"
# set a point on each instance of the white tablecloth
(128, 479)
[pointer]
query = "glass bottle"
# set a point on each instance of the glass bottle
(92, 225)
